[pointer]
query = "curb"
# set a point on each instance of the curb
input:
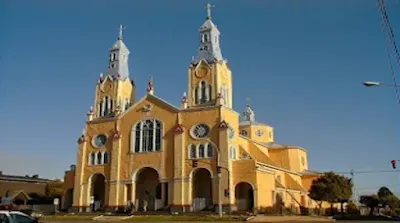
(249, 218)
(130, 216)
(97, 217)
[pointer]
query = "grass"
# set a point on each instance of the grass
(150, 218)
(67, 217)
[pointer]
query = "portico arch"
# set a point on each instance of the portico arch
(244, 196)
(97, 191)
(201, 179)
(147, 188)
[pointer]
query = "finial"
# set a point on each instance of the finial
(150, 88)
(184, 101)
(101, 75)
(184, 97)
(121, 27)
(208, 7)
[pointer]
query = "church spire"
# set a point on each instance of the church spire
(209, 48)
(118, 61)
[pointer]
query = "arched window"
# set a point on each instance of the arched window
(111, 106)
(101, 108)
(203, 98)
(201, 151)
(202, 93)
(105, 157)
(209, 89)
(147, 136)
(106, 108)
(196, 95)
(92, 159)
(99, 159)
(206, 37)
(243, 132)
(127, 103)
(232, 153)
(192, 151)
(210, 150)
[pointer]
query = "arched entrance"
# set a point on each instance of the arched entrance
(148, 189)
(69, 194)
(98, 191)
(202, 190)
(244, 196)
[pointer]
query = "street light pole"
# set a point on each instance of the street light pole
(219, 177)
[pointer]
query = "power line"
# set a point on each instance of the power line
(389, 41)
(388, 28)
(369, 171)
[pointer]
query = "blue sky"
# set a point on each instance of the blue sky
(301, 63)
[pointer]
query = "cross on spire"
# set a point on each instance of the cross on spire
(208, 7)
(121, 27)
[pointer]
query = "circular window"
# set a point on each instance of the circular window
(231, 133)
(259, 132)
(200, 131)
(100, 140)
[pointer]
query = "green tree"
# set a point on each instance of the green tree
(371, 201)
(55, 189)
(386, 197)
(332, 188)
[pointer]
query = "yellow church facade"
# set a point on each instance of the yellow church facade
(193, 157)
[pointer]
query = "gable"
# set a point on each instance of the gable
(153, 101)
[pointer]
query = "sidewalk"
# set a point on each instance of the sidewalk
(263, 218)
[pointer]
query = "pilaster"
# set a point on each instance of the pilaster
(226, 170)
(179, 184)
(78, 199)
(115, 167)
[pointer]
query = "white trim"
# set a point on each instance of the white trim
(140, 168)
(198, 168)
(265, 170)
(94, 138)
(251, 184)
(197, 151)
(278, 168)
(191, 131)
(290, 190)
(133, 135)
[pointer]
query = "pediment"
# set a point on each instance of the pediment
(147, 103)
(202, 69)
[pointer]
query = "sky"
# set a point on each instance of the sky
(301, 63)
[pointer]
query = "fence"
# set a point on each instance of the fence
(199, 204)
(242, 204)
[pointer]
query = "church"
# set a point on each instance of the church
(201, 155)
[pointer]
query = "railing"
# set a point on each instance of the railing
(199, 203)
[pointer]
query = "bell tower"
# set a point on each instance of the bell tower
(209, 74)
(115, 92)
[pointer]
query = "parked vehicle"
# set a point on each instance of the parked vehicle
(16, 217)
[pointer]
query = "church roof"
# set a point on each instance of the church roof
(291, 184)
(274, 145)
